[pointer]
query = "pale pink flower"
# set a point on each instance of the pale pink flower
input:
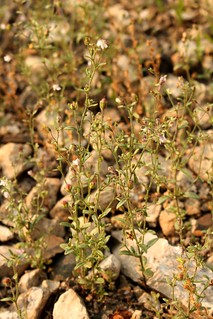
(56, 87)
(102, 44)
(7, 58)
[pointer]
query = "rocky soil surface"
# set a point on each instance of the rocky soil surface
(53, 292)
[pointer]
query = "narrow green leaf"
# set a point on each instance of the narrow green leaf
(126, 252)
(187, 172)
(121, 203)
(6, 299)
(162, 199)
(191, 195)
(151, 242)
(105, 213)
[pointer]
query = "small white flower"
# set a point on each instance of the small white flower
(76, 162)
(162, 139)
(3, 26)
(102, 44)
(6, 194)
(7, 58)
(56, 87)
(162, 79)
(3, 182)
(118, 100)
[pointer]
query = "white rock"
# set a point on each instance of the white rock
(6, 314)
(36, 67)
(5, 270)
(162, 259)
(153, 212)
(13, 159)
(30, 279)
(111, 266)
(167, 222)
(172, 84)
(71, 180)
(201, 161)
(70, 305)
(48, 199)
(47, 226)
(34, 300)
(5, 234)
(106, 198)
(204, 115)
(185, 180)
(60, 212)
(49, 119)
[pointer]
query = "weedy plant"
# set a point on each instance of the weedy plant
(147, 154)
(14, 260)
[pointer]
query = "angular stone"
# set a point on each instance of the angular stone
(153, 212)
(32, 278)
(13, 159)
(6, 271)
(111, 268)
(48, 198)
(60, 211)
(71, 180)
(192, 206)
(204, 116)
(46, 121)
(162, 259)
(5, 234)
(70, 305)
(167, 221)
(185, 180)
(63, 267)
(7, 314)
(47, 226)
(52, 246)
(106, 198)
(34, 300)
(201, 161)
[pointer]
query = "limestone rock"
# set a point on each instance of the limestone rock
(204, 116)
(153, 212)
(7, 314)
(13, 159)
(70, 305)
(6, 271)
(45, 194)
(172, 84)
(52, 246)
(47, 157)
(34, 300)
(47, 226)
(49, 119)
(106, 198)
(201, 161)
(111, 267)
(36, 67)
(192, 206)
(32, 278)
(91, 164)
(167, 222)
(5, 234)
(71, 180)
(60, 211)
(185, 180)
(162, 259)
(63, 267)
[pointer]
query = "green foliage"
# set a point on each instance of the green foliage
(75, 74)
